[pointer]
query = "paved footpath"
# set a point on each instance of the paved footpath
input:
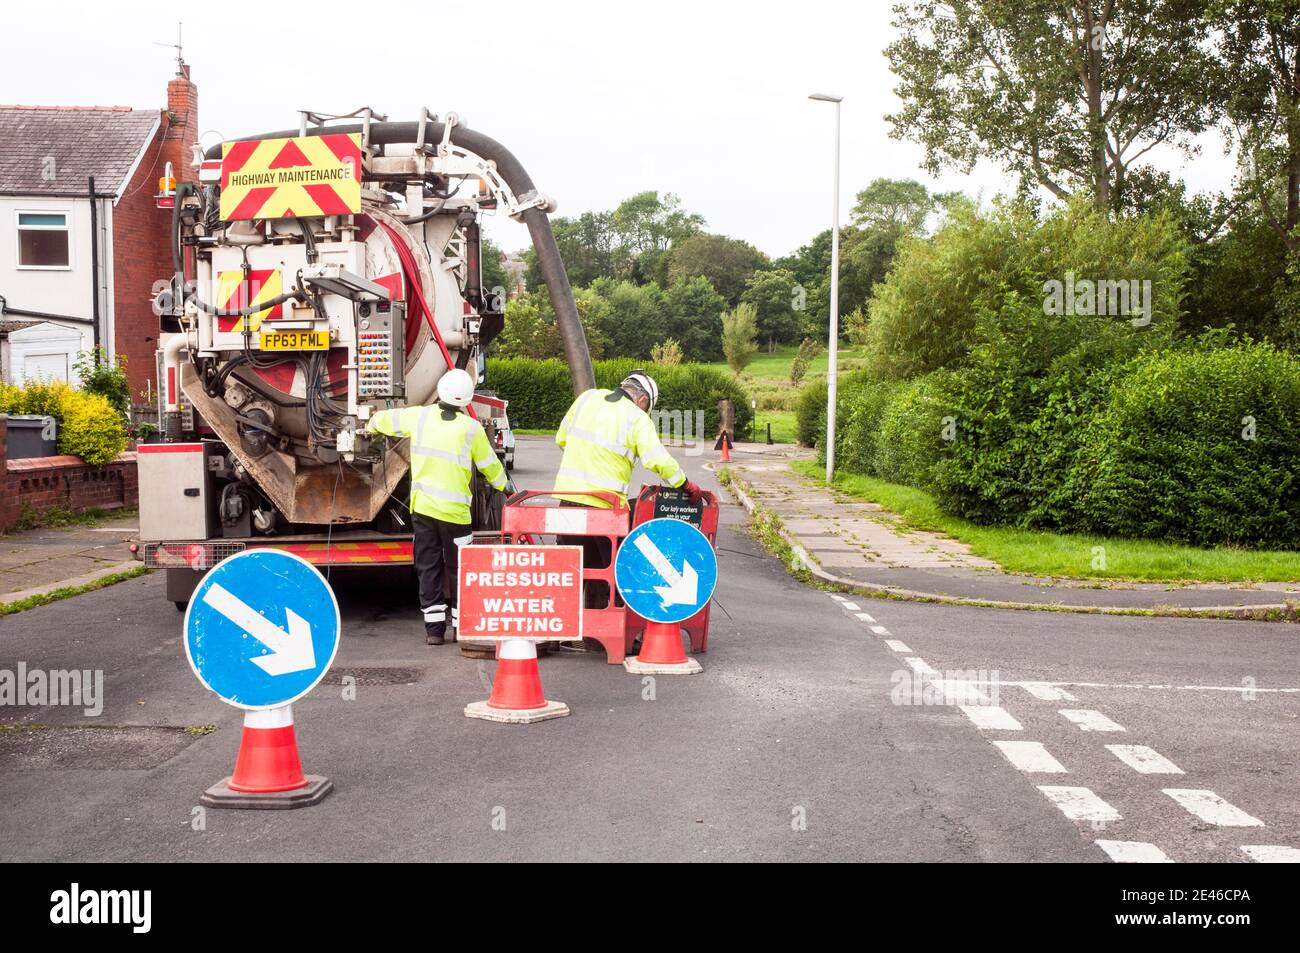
(856, 543)
(37, 561)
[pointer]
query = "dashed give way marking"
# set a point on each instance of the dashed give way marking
(1048, 693)
(1089, 720)
(1079, 804)
(1212, 809)
(1133, 852)
(1266, 854)
(1030, 756)
(991, 718)
(1143, 759)
(896, 645)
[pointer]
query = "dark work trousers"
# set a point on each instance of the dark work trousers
(437, 561)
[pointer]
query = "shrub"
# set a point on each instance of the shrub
(1199, 445)
(740, 336)
(810, 414)
(861, 425)
(105, 375)
(89, 426)
(808, 349)
(917, 428)
(540, 392)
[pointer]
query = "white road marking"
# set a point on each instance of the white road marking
(896, 645)
(1212, 809)
(879, 630)
(1080, 804)
(1044, 691)
(851, 606)
(1143, 759)
(1030, 756)
(1234, 689)
(1271, 854)
(958, 692)
(1133, 852)
(920, 666)
(865, 617)
(991, 718)
(836, 596)
(1089, 720)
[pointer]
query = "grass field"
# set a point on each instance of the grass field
(1071, 555)
(767, 380)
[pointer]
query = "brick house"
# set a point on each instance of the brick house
(90, 263)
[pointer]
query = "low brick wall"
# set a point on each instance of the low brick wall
(40, 483)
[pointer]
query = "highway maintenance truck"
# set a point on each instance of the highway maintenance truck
(321, 274)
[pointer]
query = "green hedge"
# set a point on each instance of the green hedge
(810, 413)
(1200, 446)
(540, 392)
(89, 426)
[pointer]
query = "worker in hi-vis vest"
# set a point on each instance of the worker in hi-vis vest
(446, 444)
(603, 435)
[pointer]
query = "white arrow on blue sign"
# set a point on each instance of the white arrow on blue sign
(262, 628)
(666, 570)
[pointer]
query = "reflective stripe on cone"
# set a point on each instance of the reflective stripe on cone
(268, 758)
(518, 683)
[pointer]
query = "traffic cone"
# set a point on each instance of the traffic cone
(724, 444)
(268, 770)
(662, 652)
(517, 696)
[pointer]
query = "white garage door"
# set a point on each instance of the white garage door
(45, 367)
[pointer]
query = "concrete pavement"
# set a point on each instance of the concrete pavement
(37, 561)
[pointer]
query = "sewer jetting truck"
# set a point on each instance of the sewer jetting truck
(321, 274)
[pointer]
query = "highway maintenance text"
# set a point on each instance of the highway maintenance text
(530, 592)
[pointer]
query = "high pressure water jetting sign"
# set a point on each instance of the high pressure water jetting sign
(287, 178)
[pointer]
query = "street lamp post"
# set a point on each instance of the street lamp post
(832, 356)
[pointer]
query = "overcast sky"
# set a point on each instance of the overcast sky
(707, 99)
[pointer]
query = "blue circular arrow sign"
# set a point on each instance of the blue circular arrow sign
(262, 628)
(666, 570)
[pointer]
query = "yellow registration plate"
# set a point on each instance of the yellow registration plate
(295, 340)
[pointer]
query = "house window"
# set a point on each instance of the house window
(43, 240)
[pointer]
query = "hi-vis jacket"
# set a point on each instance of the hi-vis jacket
(602, 435)
(444, 445)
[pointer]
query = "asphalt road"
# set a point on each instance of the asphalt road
(791, 746)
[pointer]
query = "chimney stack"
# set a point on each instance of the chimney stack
(181, 125)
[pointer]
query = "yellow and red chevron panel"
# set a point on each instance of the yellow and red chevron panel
(234, 293)
(291, 178)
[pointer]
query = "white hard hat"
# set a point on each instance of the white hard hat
(456, 387)
(646, 383)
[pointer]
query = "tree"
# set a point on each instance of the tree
(645, 222)
(493, 271)
(894, 205)
(739, 336)
(694, 315)
(1260, 50)
(1068, 95)
(531, 331)
(726, 262)
(588, 247)
(634, 319)
(773, 294)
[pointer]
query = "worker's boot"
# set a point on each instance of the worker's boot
(434, 636)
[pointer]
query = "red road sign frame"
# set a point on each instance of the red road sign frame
(545, 609)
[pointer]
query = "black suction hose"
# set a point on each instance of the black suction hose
(576, 354)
